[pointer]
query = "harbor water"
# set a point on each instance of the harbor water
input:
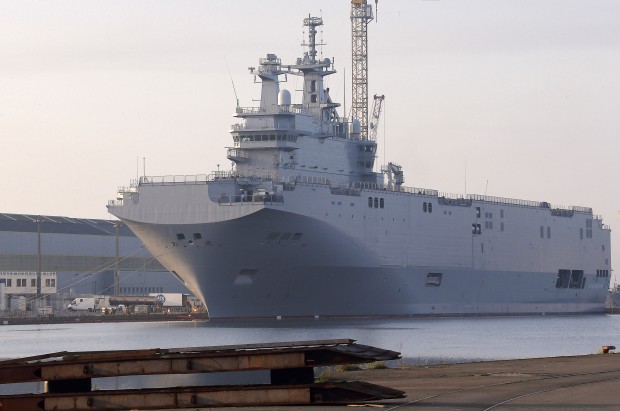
(420, 340)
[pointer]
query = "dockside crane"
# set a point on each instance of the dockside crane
(361, 15)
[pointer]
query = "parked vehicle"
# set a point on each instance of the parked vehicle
(89, 304)
(170, 299)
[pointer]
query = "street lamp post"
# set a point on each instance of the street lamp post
(117, 226)
(39, 264)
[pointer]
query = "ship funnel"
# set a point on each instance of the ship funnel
(284, 98)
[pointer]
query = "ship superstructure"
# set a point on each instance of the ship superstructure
(279, 139)
(304, 226)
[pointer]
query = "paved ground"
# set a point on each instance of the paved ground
(562, 383)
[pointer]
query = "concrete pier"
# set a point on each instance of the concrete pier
(560, 383)
(589, 382)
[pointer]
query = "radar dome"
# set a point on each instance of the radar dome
(284, 98)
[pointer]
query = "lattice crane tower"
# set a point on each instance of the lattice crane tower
(361, 15)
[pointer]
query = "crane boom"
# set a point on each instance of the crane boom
(376, 116)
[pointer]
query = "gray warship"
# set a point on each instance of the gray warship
(307, 225)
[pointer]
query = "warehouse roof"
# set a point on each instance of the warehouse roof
(60, 225)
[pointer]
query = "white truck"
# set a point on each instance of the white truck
(89, 303)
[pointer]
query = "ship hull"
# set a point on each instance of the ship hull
(273, 263)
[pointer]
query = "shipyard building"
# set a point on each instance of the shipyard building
(45, 260)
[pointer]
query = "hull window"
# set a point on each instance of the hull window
(576, 279)
(433, 279)
(563, 279)
(246, 276)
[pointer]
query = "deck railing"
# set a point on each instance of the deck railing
(343, 188)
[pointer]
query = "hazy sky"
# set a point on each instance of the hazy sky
(515, 99)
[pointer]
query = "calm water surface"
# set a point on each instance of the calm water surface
(421, 341)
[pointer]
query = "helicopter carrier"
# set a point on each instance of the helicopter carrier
(306, 225)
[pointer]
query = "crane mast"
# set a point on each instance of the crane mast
(361, 15)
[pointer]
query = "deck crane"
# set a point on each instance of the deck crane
(376, 116)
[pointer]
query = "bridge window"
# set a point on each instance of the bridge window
(381, 203)
(376, 202)
(425, 207)
(180, 236)
(370, 202)
(197, 236)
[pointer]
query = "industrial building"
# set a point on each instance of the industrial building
(73, 256)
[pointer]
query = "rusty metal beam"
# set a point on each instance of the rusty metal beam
(69, 377)
(146, 366)
(83, 365)
(193, 397)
